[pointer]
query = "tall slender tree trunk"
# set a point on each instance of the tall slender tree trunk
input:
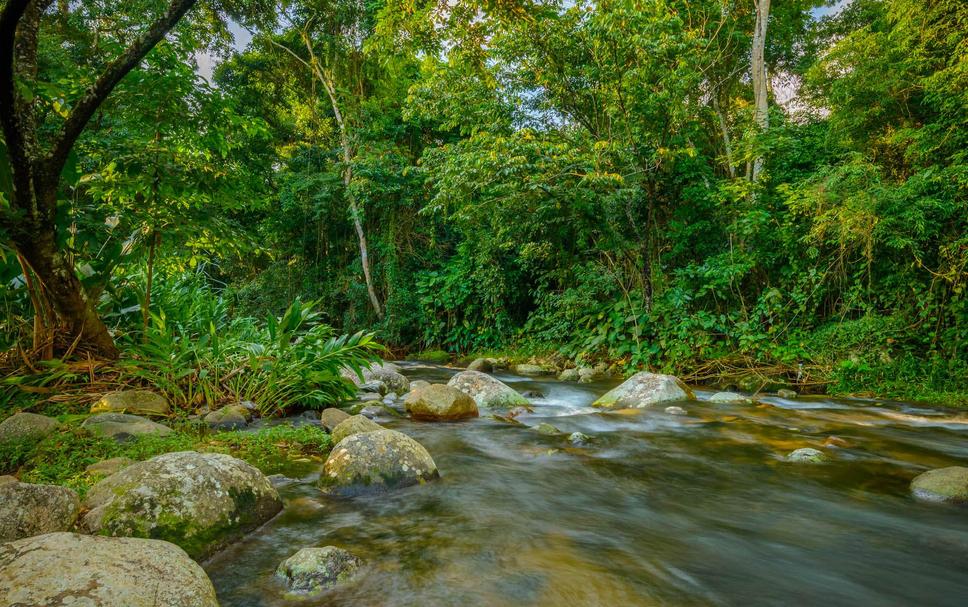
(724, 130)
(760, 78)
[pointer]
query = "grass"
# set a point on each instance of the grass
(62, 457)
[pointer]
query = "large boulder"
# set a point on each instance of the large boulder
(312, 570)
(487, 391)
(354, 424)
(27, 510)
(440, 402)
(948, 485)
(331, 417)
(139, 402)
(644, 390)
(122, 426)
(200, 501)
(376, 461)
(26, 427)
(71, 569)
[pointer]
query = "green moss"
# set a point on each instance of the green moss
(438, 357)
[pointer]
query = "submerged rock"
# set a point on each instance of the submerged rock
(331, 417)
(27, 510)
(546, 428)
(484, 365)
(486, 390)
(199, 501)
(139, 402)
(26, 427)
(675, 410)
(579, 438)
(376, 461)
(312, 570)
(731, 398)
(644, 390)
(949, 485)
(354, 424)
(231, 417)
(440, 403)
(71, 569)
(121, 426)
(807, 455)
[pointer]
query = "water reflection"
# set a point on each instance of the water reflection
(658, 509)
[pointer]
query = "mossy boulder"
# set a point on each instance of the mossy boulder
(107, 467)
(546, 428)
(72, 569)
(122, 426)
(949, 485)
(354, 424)
(331, 417)
(376, 461)
(27, 510)
(139, 402)
(644, 390)
(230, 417)
(26, 428)
(312, 570)
(569, 375)
(529, 370)
(786, 393)
(438, 402)
(487, 391)
(199, 501)
(484, 365)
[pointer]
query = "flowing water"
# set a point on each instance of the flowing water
(657, 509)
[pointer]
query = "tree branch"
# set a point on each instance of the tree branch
(85, 107)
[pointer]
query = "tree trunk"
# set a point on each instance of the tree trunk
(760, 78)
(724, 130)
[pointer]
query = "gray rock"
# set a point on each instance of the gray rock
(312, 570)
(486, 390)
(807, 455)
(108, 467)
(26, 427)
(369, 397)
(546, 428)
(731, 398)
(579, 438)
(529, 370)
(355, 424)
(373, 411)
(675, 410)
(569, 375)
(121, 426)
(199, 501)
(373, 387)
(440, 403)
(138, 402)
(376, 461)
(387, 373)
(644, 390)
(949, 485)
(27, 510)
(331, 417)
(484, 365)
(232, 417)
(784, 393)
(418, 384)
(83, 571)
(587, 375)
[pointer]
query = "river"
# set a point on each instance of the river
(657, 509)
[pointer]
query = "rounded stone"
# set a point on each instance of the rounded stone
(331, 417)
(108, 467)
(675, 410)
(231, 417)
(784, 393)
(644, 390)
(807, 455)
(121, 426)
(199, 501)
(440, 403)
(579, 438)
(529, 370)
(484, 365)
(949, 485)
(26, 427)
(139, 402)
(569, 375)
(27, 510)
(486, 390)
(312, 570)
(354, 424)
(376, 461)
(730, 398)
(546, 428)
(72, 569)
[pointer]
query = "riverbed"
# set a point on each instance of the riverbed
(657, 509)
